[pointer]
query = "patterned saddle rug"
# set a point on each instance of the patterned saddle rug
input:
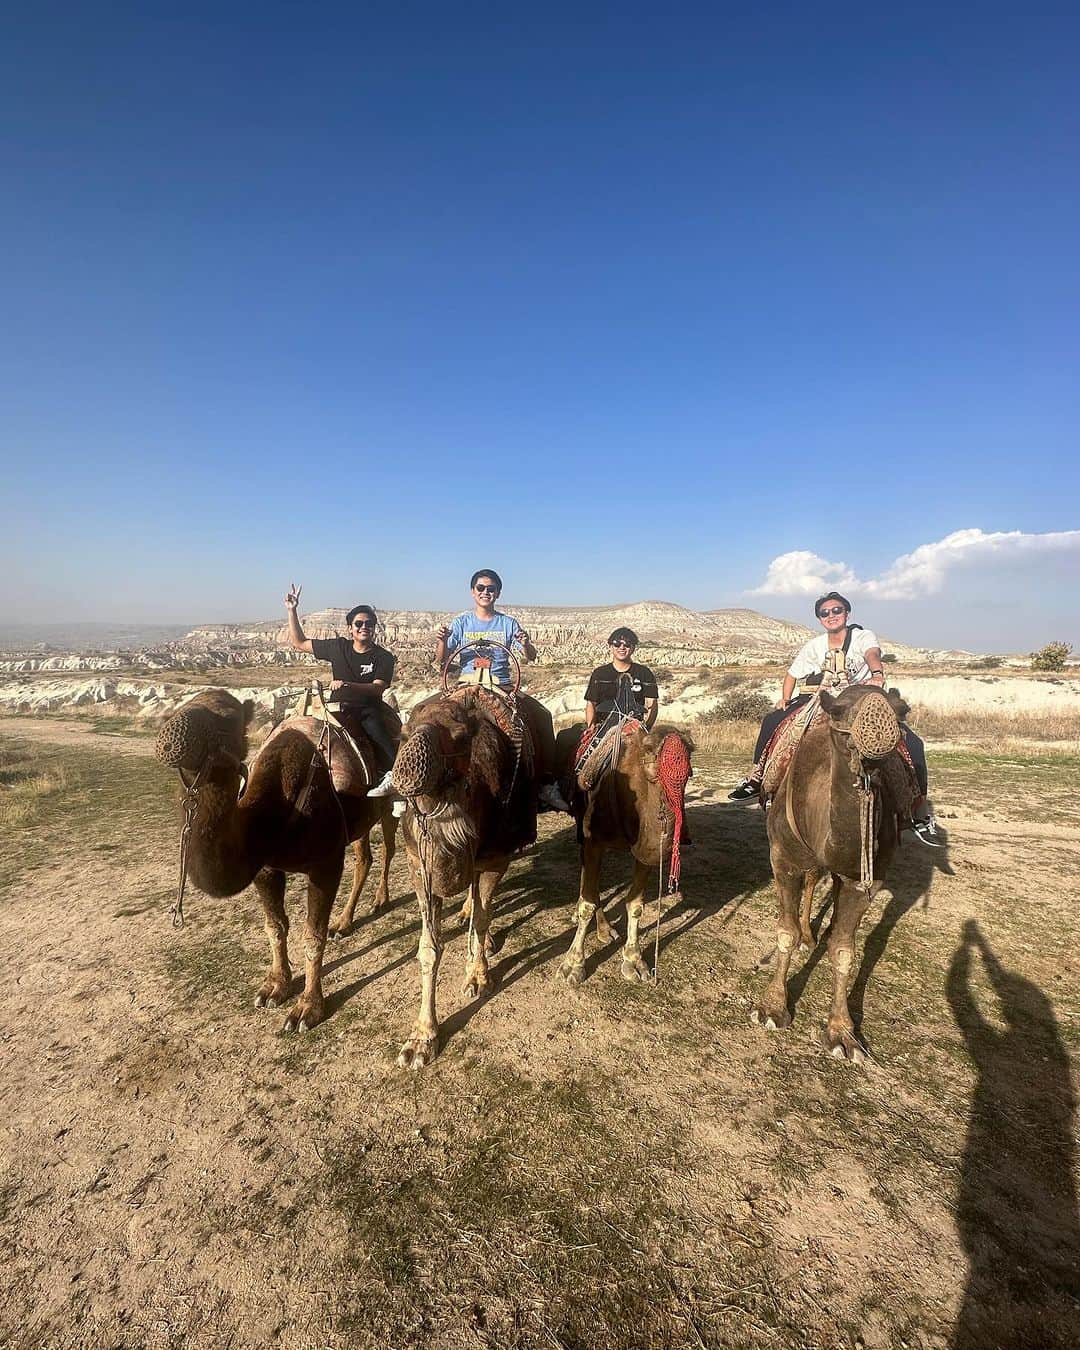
(504, 712)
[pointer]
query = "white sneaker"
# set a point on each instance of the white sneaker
(398, 808)
(551, 797)
(385, 788)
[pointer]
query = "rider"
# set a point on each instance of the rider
(362, 671)
(622, 684)
(484, 622)
(846, 653)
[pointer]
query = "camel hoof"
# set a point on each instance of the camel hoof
(339, 930)
(634, 970)
(476, 988)
(847, 1046)
(416, 1053)
(573, 972)
(770, 1020)
(268, 1001)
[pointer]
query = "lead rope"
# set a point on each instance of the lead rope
(866, 833)
(191, 805)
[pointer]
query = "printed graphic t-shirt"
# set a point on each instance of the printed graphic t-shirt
(628, 689)
(352, 666)
(468, 628)
(812, 656)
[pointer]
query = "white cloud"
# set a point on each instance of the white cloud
(921, 572)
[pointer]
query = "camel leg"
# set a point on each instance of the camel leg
(362, 858)
(468, 903)
(772, 1012)
(851, 904)
(604, 931)
(806, 937)
(308, 1010)
(478, 981)
(633, 967)
(389, 837)
(423, 1044)
(573, 966)
(277, 986)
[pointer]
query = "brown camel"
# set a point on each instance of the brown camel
(624, 809)
(816, 825)
(289, 819)
(471, 806)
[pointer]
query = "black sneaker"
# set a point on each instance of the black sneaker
(748, 790)
(927, 832)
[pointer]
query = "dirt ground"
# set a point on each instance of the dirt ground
(620, 1166)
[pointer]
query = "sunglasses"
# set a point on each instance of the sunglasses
(486, 590)
(623, 643)
(830, 613)
(363, 623)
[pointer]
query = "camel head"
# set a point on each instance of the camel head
(212, 725)
(434, 748)
(868, 718)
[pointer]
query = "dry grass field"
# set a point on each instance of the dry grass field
(620, 1166)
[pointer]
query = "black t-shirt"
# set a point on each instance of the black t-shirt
(352, 666)
(627, 688)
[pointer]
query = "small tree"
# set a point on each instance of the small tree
(1051, 657)
(888, 658)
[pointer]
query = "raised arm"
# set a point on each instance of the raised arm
(442, 644)
(526, 643)
(296, 639)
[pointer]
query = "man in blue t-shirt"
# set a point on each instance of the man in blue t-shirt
(486, 622)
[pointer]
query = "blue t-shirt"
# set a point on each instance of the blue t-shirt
(468, 628)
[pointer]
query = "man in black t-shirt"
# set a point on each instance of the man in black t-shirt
(622, 684)
(361, 671)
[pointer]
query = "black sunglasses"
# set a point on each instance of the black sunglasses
(830, 613)
(363, 623)
(487, 590)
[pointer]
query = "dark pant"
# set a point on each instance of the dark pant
(371, 720)
(543, 734)
(917, 751)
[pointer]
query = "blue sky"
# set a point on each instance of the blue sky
(627, 304)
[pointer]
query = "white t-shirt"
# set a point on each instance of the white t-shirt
(813, 656)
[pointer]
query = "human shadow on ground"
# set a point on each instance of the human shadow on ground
(910, 880)
(1016, 1207)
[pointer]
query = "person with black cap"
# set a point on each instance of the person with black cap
(845, 653)
(622, 684)
(361, 672)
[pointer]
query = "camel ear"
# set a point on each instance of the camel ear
(249, 711)
(827, 701)
(897, 704)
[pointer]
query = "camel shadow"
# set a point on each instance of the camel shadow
(911, 878)
(1016, 1208)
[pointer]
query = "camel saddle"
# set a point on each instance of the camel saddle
(781, 748)
(599, 750)
(351, 762)
(503, 711)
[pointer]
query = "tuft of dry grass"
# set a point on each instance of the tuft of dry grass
(992, 725)
(23, 786)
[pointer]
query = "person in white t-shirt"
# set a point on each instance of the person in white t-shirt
(845, 653)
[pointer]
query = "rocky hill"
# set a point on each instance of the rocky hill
(671, 635)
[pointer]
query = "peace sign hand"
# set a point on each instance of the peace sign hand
(293, 598)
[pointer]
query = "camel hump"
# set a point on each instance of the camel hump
(352, 761)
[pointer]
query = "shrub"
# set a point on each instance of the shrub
(743, 706)
(888, 658)
(1051, 657)
(986, 663)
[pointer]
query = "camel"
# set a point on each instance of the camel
(848, 760)
(627, 808)
(469, 781)
(288, 819)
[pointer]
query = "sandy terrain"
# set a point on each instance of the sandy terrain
(620, 1166)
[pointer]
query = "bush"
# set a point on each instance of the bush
(986, 663)
(743, 706)
(1051, 657)
(888, 658)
